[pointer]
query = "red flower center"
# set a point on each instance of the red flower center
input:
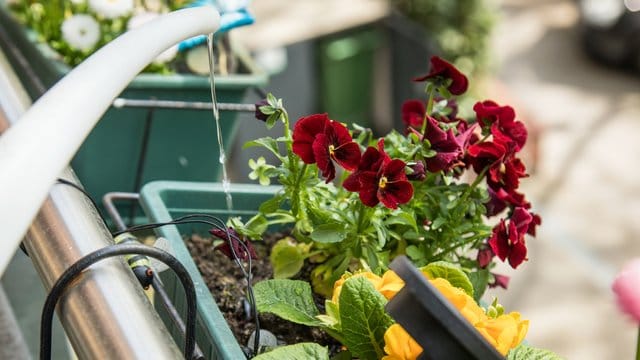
(382, 183)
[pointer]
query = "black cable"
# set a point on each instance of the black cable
(83, 191)
(115, 250)
(142, 159)
(220, 225)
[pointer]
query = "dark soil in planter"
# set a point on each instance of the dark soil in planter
(228, 287)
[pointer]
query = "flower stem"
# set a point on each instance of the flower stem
(475, 183)
(432, 94)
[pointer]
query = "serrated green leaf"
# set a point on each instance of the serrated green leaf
(287, 259)
(363, 318)
(450, 272)
(257, 225)
(267, 142)
(479, 280)
(266, 109)
(329, 233)
(289, 299)
(272, 119)
(272, 100)
(296, 352)
(403, 218)
(271, 205)
(526, 352)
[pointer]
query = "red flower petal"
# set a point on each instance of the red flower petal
(348, 155)
(395, 193)
(304, 133)
(321, 154)
(413, 113)
(443, 69)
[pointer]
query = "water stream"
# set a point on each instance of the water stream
(226, 184)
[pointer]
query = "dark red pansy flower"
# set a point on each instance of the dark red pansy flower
(507, 175)
(234, 241)
(490, 114)
(449, 148)
(535, 222)
(507, 240)
(413, 114)
(500, 280)
(380, 179)
(371, 161)
(485, 256)
(443, 70)
(388, 186)
(486, 153)
(511, 198)
(335, 144)
(259, 114)
(304, 134)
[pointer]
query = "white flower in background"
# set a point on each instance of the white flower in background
(111, 9)
(140, 19)
(81, 32)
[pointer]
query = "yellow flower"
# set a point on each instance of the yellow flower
(468, 307)
(390, 285)
(504, 332)
(399, 345)
(374, 279)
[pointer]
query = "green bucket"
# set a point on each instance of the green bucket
(166, 200)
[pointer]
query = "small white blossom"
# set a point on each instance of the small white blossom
(111, 9)
(81, 32)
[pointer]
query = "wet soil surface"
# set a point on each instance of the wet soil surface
(228, 287)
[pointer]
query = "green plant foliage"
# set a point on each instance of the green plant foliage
(296, 352)
(287, 258)
(451, 273)
(526, 352)
(289, 299)
(363, 318)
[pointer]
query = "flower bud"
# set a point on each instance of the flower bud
(259, 114)
(418, 171)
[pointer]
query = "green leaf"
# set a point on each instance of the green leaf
(329, 233)
(479, 279)
(271, 205)
(268, 142)
(287, 259)
(289, 299)
(414, 253)
(257, 224)
(403, 218)
(363, 318)
(438, 222)
(272, 119)
(526, 352)
(450, 272)
(295, 352)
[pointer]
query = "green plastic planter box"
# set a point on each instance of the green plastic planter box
(182, 144)
(165, 200)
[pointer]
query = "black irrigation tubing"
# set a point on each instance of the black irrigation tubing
(115, 250)
(220, 225)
